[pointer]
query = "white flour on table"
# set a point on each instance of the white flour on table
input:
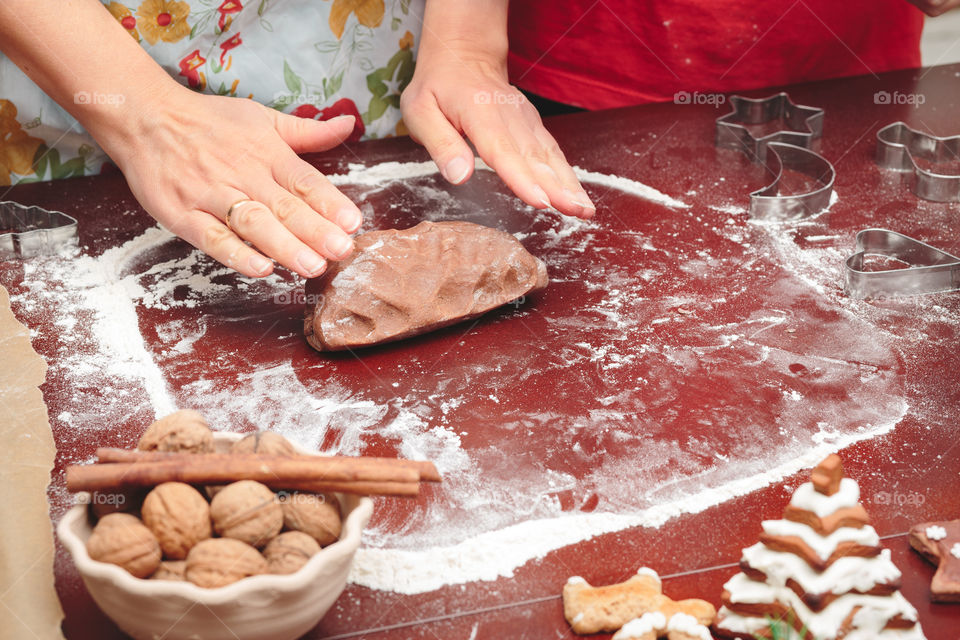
(495, 527)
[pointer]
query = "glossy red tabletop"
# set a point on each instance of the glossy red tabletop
(670, 388)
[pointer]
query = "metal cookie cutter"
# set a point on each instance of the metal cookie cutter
(27, 231)
(806, 124)
(790, 152)
(899, 146)
(930, 270)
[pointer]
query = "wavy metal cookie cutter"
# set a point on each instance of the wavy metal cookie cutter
(790, 152)
(28, 231)
(899, 146)
(930, 270)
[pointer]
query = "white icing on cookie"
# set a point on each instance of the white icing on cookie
(577, 618)
(955, 550)
(647, 571)
(936, 533)
(873, 616)
(823, 546)
(576, 580)
(734, 622)
(849, 573)
(651, 622)
(808, 498)
(687, 624)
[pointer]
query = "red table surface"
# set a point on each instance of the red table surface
(669, 147)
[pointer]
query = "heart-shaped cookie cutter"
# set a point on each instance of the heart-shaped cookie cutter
(790, 151)
(898, 148)
(28, 231)
(930, 270)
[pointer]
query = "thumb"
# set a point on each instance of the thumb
(305, 134)
(431, 128)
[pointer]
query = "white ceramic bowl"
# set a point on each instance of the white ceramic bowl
(264, 607)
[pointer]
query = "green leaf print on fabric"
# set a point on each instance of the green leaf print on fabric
(387, 83)
(292, 80)
(47, 158)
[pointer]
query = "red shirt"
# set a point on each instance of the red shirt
(609, 53)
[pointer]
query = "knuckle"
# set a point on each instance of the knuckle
(246, 217)
(285, 209)
(305, 182)
(214, 236)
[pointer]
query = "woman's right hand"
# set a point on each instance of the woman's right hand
(193, 157)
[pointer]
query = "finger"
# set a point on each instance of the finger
(254, 221)
(315, 231)
(572, 189)
(497, 147)
(302, 179)
(432, 129)
(208, 233)
(305, 134)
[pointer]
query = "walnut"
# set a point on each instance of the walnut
(171, 570)
(266, 442)
(314, 514)
(121, 539)
(184, 431)
(289, 551)
(217, 562)
(178, 515)
(247, 511)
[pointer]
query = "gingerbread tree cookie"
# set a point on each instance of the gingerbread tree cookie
(939, 542)
(820, 569)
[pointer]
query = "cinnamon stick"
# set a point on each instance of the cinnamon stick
(427, 470)
(223, 468)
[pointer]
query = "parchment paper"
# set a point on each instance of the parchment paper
(29, 607)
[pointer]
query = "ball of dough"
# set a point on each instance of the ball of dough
(316, 514)
(179, 516)
(247, 511)
(121, 539)
(218, 562)
(266, 442)
(289, 551)
(184, 431)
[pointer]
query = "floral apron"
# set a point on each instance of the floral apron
(312, 58)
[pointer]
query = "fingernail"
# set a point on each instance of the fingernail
(540, 195)
(456, 170)
(259, 264)
(311, 263)
(581, 199)
(339, 246)
(343, 117)
(348, 219)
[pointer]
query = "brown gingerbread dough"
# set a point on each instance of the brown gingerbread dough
(403, 283)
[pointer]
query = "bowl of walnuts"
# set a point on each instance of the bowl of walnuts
(178, 560)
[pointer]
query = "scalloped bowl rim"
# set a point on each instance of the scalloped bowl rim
(346, 545)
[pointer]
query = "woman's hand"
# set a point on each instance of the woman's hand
(197, 158)
(935, 8)
(460, 86)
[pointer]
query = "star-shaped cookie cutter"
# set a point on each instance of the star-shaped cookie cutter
(930, 270)
(898, 148)
(806, 124)
(28, 231)
(790, 151)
